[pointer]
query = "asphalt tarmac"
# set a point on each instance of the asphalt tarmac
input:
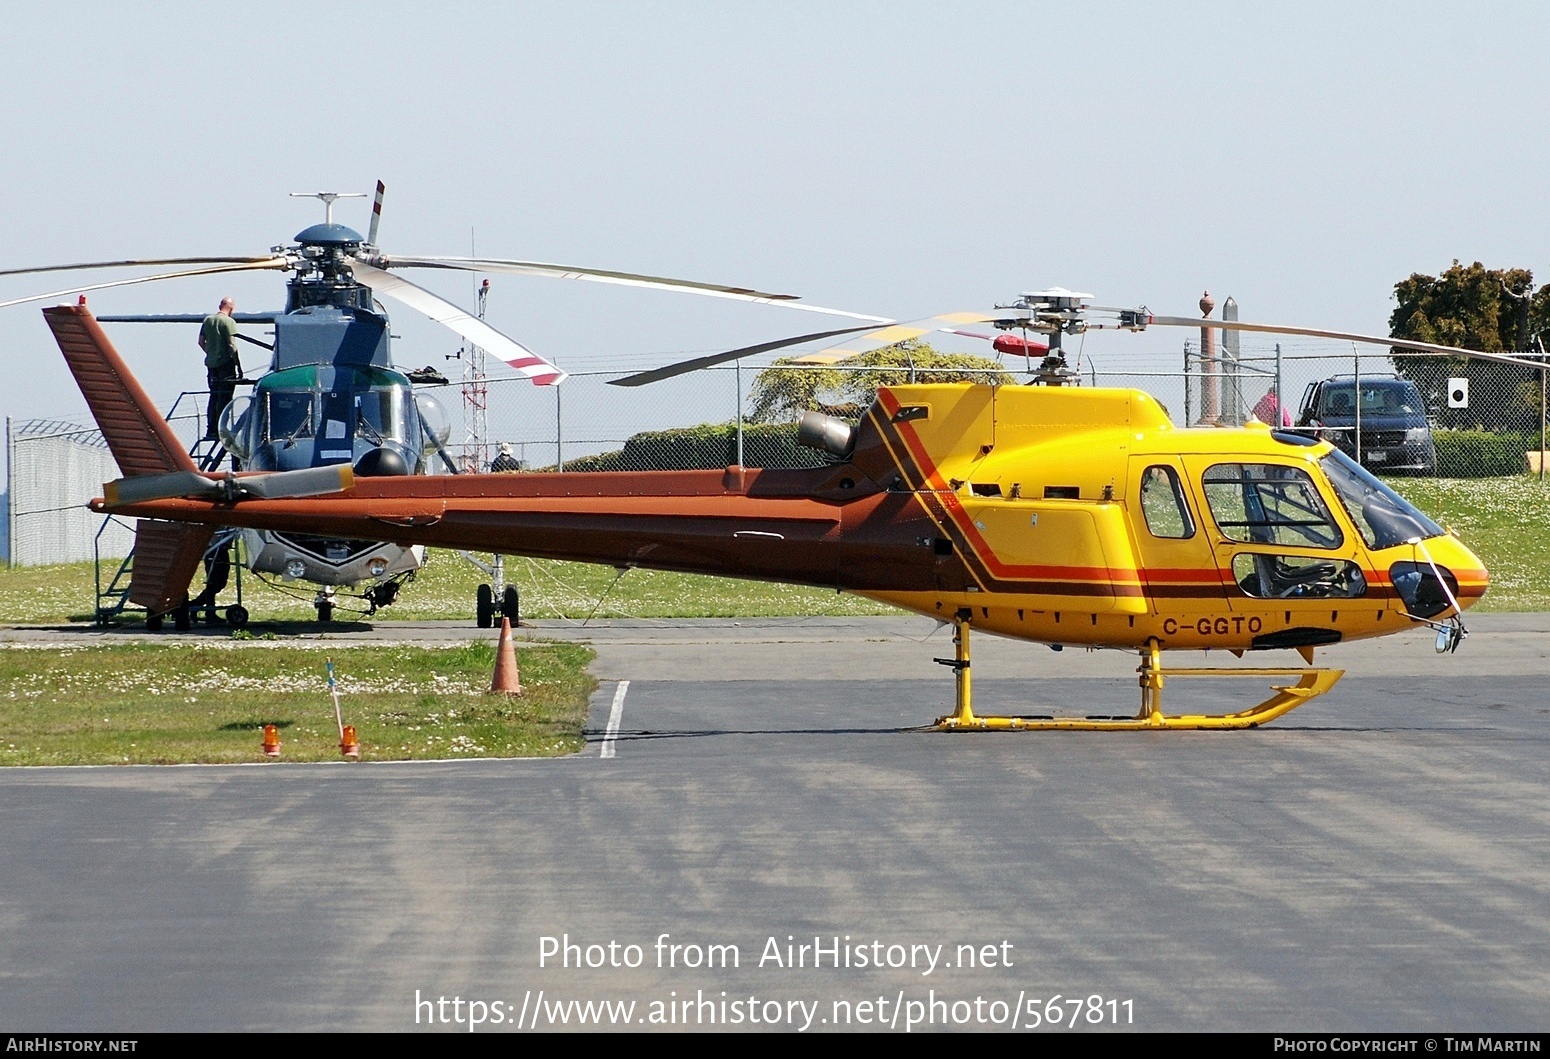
(1377, 860)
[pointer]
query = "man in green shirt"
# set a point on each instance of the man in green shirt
(218, 339)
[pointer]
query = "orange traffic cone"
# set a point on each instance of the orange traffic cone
(349, 743)
(271, 741)
(507, 681)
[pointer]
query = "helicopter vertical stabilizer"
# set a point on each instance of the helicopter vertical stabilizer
(167, 555)
(137, 435)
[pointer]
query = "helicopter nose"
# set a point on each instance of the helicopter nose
(1443, 574)
(382, 462)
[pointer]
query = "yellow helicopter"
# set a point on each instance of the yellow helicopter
(1053, 513)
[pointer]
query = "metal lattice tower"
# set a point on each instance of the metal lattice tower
(476, 401)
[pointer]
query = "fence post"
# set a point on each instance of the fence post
(1189, 412)
(1356, 386)
(1280, 390)
(739, 377)
(559, 434)
(10, 497)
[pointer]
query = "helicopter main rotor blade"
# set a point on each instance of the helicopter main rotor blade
(261, 263)
(469, 326)
(683, 367)
(627, 279)
(894, 333)
(137, 262)
(1345, 336)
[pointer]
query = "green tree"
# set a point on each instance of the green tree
(1473, 307)
(786, 389)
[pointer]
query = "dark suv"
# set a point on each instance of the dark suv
(1395, 435)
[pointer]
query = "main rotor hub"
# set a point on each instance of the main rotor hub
(329, 234)
(322, 263)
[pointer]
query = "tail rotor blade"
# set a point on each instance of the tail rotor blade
(309, 481)
(191, 485)
(469, 326)
(376, 214)
(147, 487)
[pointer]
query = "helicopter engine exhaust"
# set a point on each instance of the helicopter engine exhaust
(832, 435)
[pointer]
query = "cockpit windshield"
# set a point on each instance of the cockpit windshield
(1383, 517)
(380, 414)
(288, 415)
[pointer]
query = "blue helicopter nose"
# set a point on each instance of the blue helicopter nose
(329, 235)
(382, 462)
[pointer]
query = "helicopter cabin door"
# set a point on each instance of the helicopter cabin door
(1178, 561)
(1281, 551)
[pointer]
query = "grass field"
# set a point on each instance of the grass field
(444, 590)
(1506, 521)
(166, 703)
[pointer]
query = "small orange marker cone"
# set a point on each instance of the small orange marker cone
(271, 741)
(507, 681)
(349, 745)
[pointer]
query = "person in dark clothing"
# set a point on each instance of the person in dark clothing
(505, 462)
(218, 339)
(217, 574)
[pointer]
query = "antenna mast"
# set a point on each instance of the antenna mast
(476, 401)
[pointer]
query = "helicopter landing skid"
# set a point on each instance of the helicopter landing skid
(1310, 683)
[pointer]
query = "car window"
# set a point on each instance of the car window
(1382, 397)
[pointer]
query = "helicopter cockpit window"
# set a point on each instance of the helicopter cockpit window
(289, 415)
(1382, 516)
(1260, 503)
(1162, 503)
(380, 414)
(1297, 577)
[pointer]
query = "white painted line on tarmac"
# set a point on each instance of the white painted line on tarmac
(615, 714)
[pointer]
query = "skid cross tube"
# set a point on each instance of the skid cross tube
(1307, 684)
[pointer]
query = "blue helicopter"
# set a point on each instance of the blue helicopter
(332, 395)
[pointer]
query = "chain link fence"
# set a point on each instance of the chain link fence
(54, 468)
(1413, 415)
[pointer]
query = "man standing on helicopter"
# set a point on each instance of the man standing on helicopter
(218, 339)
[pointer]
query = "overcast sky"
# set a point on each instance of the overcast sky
(898, 159)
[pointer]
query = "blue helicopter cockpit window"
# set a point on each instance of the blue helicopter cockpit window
(288, 415)
(1260, 503)
(380, 414)
(1382, 516)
